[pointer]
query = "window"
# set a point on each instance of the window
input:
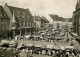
(1, 20)
(30, 24)
(24, 13)
(17, 16)
(28, 17)
(58, 25)
(13, 24)
(5, 26)
(18, 12)
(24, 23)
(23, 17)
(27, 23)
(0, 15)
(8, 21)
(20, 23)
(1, 26)
(4, 15)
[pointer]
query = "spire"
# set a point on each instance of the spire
(13, 18)
(78, 1)
(12, 22)
(78, 5)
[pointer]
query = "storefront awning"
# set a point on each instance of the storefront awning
(62, 47)
(19, 45)
(71, 47)
(49, 46)
(75, 34)
(38, 45)
(29, 44)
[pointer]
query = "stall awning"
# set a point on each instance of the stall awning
(56, 47)
(37, 36)
(41, 37)
(49, 46)
(27, 36)
(19, 45)
(43, 33)
(4, 41)
(38, 45)
(71, 47)
(62, 47)
(75, 34)
(29, 44)
(12, 42)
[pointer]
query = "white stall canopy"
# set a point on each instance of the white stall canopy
(29, 44)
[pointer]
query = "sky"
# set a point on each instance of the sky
(63, 8)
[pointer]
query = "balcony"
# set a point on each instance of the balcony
(26, 27)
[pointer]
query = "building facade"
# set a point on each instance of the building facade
(44, 23)
(41, 23)
(58, 22)
(76, 18)
(37, 21)
(21, 20)
(4, 23)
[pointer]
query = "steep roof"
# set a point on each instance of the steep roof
(56, 17)
(21, 13)
(45, 19)
(37, 18)
(3, 13)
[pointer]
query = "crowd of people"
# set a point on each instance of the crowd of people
(52, 52)
(48, 36)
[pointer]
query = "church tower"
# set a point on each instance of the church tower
(78, 5)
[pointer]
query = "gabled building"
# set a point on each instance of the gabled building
(37, 21)
(44, 23)
(76, 18)
(44, 20)
(58, 22)
(4, 23)
(21, 20)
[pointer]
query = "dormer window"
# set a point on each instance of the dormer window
(28, 17)
(1, 20)
(18, 16)
(23, 17)
(18, 12)
(4, 15)
(24, 13)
